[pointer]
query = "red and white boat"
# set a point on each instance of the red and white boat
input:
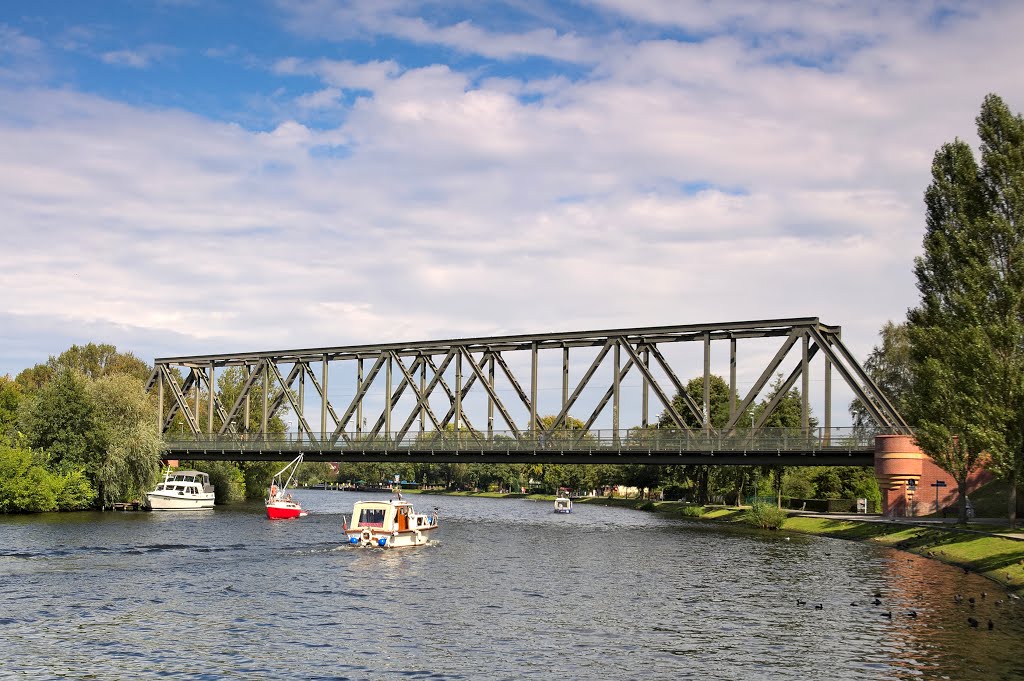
(388, 524)
(280, 504)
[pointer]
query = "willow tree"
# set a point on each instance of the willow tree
(967, 334)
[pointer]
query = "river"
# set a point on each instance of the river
(507, 590)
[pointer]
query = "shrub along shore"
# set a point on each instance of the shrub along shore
(979, 548)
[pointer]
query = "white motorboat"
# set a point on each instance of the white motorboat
(182, 491)
(563, 505)
(389, 524)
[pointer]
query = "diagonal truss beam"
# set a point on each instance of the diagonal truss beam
(490, 391)
(476, 361)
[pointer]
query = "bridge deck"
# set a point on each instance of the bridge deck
(662, 449)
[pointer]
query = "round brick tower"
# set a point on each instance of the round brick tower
(899, 464)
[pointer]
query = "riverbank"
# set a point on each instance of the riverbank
(984, 548)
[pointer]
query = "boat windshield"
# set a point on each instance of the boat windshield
(371, 517)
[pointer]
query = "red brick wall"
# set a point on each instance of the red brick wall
(948, 495)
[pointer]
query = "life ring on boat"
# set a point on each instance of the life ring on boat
(367, 536)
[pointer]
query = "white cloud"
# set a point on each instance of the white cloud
(138, 58)
(398, 19)
(673, 183)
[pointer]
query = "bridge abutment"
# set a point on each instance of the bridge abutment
(907, 478)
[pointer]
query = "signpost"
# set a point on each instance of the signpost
(937, 484)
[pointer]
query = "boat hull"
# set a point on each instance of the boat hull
(284, 511)
(170, 502)
(369, 538)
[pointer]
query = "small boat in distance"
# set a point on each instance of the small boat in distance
(563, 504)
(388, 524)
(280, 505)
(182, 491)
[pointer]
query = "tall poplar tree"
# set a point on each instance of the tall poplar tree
(967, 334)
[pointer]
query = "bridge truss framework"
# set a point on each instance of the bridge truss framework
(449, 372)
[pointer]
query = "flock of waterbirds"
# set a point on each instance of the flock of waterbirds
(971, 602)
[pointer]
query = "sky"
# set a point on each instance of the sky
(205, 176)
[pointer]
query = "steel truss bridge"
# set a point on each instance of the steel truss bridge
(427, 398)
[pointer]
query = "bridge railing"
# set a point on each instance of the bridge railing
(633, 440)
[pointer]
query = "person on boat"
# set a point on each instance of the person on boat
(273, 491)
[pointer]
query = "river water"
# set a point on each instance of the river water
(507, 590)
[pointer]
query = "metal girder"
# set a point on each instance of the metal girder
(762, 380)
(409, 363)
(215, 403)
(357, 398)
(178, 392)
(579, 388)
(243, 395)
(489, 387)
(874, 400)
(421, 397)
(287, 391)
(455, 400)
(655, 334)
(680, 388)
(666, 402)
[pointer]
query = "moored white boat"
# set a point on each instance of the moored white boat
(280, 505)
(182, 491)
(389, 524)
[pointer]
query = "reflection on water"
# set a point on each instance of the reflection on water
(507, 590)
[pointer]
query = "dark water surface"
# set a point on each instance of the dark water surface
(508, 590)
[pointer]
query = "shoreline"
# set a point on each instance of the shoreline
(992, 552)
(988, 553)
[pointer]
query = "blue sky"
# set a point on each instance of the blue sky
(186, 177)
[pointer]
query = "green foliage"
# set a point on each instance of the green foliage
(692, 511)
(967, 334)
(26, 486)
(227, 479)
(60, 418)
(765, 516)
(129, 442)
(10, 397)
(312, 473)
(889, 366)
(229, 386)
(74, 492)
(104, 428)
(98, 361)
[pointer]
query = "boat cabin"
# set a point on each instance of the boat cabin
(185, 483)
(386, 516)
(388, 524)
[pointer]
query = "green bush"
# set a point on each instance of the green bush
(765, 516)
(26, 486)
(74, 492)
(692, 511)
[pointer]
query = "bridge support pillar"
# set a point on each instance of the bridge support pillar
(911, 483)
(899, 465)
